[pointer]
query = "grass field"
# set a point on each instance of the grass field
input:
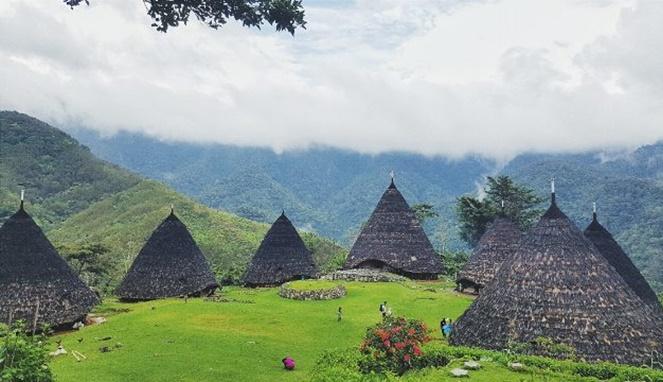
(244, 337)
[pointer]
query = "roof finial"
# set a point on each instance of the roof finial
(22, 197)
(594, 211)
(552, 189)
(172, 209)
(393, 176)
(501, 213)
(283, 212)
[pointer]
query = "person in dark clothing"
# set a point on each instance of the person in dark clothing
(443, 323)
(383, 309)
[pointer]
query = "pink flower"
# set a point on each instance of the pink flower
(406, 358)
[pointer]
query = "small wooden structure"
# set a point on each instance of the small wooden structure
(393, 240)
(35, 279)
(169, 265)
(281, 257)
(498, 243)
(613, 252)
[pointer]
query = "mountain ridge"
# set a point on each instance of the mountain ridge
(332, 192)
(79, 199)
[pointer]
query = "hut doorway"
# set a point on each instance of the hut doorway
(375, 265)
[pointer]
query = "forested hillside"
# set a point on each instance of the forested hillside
(333, 191)
(124, 221)
(326, 190)
(60, 176)
(81, 200)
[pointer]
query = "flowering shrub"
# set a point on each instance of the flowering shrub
(393, 344)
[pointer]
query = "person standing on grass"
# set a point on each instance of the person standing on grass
(339, 314)
(448, 328)
(443, 323)
(383, 310)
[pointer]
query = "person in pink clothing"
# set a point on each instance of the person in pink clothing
(288, 363)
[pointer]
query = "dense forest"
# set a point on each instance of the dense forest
(60, 176)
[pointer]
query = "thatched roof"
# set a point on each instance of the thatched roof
(499, 242)
(394, 239)
(557, 285)
(169, 265)
(32, 272)
(616, 256)
(282, 256)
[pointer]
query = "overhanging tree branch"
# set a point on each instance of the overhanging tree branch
(285, 15)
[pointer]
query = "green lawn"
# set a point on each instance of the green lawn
(245, 337)
(240, 340)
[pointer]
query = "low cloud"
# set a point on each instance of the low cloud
(451, 78)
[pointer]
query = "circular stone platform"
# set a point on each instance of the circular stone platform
(312, 290)
(364, 275)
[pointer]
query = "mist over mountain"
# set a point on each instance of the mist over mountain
(332, 191)
(78, 199)
(326, 190)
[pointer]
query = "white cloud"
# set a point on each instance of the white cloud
(435, 77)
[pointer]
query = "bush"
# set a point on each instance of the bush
(23, 358)
(393, 344)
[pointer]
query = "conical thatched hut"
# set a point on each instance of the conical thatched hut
(616, 256)
(558, 286)
(32, 274)
(281, 257)
(169, 265)
(499, 242)
(393, 240)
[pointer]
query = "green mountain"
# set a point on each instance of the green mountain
(332, 191)
(124, 221)
(79, 199)
(60, 176)
(328, 191)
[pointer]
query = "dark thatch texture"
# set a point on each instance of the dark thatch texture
(281, 257)
(393, 240)
(169, 265)
(610, 249)
(499, 242)
(558, 286)
(32, 272)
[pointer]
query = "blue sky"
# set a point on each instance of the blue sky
(450, 78)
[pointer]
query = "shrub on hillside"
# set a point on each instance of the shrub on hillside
(346, 365)
(393, 345)
(23, 358)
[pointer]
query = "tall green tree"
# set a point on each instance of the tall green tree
(92, 262)
(424, 211)
(285, 15)
(503, 197)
